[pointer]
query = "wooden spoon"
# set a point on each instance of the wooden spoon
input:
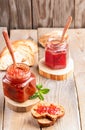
(66, 27)
(9, 46)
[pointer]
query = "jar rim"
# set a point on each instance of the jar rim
(56, 45)
(19, 72)
(58, 36)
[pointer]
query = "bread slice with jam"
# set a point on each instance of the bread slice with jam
(46, 113)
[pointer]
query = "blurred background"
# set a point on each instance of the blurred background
(31, 14)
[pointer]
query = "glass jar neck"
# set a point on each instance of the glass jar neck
(55, 45)
(18, 73)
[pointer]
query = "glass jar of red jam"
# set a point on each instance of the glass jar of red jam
(56, 54)
(19, 83)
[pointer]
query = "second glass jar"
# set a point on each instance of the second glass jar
(56, 54)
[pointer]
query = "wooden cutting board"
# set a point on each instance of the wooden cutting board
(56, 74)
(21, 107)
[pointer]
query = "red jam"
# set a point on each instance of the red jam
(52, 109)
(56, 55)
(19, 83)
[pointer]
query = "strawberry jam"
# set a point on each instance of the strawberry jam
(56, 54)
(52, 109)
(19, 83)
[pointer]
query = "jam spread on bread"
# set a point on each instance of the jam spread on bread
(19, 83)
(51, 109)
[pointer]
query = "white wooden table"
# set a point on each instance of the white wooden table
(70, 93)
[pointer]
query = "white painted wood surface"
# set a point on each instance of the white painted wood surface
(2, 42)
(70, 93)
(77, 48)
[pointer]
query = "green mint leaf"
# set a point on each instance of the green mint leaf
(39, 86)
(45, 90)
(41, 96)
(34, 95)
(40, 92)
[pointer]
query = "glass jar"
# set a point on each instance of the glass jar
(56, 54)
(19, 83)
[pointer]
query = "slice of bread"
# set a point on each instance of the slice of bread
(28, 43)
(54, 35)
(24, 52)
(45, 118)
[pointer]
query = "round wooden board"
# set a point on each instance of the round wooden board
(21, 107)
(60, 74)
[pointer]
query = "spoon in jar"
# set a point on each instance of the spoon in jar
(9, 46)
(67, 25)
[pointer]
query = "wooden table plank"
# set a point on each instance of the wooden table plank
(1, 76)
(64, 9)
(77, 48)
(20, 14)
(4, 13)
(79, 13)
(42, 13)
(21, 34)
(14, 120)
(46, 13)
(64, 93)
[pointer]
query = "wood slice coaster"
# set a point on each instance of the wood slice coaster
(21, 107)
(60, 74)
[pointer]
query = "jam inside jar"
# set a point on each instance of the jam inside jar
(56, 54)
(19, 83)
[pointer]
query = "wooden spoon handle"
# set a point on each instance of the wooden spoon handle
(9, 46)
(66, 27)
